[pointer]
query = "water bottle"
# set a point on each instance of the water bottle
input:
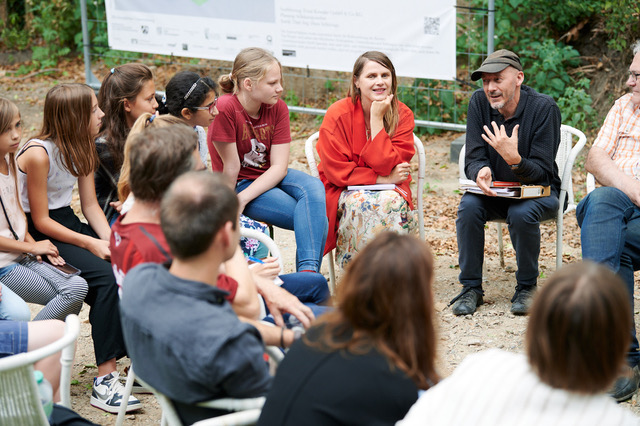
(46, 393)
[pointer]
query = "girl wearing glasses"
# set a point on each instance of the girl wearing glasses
(249, 143)
(126, 93)
(193, 99)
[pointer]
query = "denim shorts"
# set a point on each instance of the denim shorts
(13, 337)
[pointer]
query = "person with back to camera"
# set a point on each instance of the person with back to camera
(49, 166)
(366, 138)
(576, 341)
(182, 335)
(364, 363)
(513, 134)
(155, 157)
(193, 99)
(249, 143)
(126, 92)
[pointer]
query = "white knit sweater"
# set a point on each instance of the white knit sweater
(495, 388)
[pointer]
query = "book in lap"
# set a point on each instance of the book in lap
(508, 189)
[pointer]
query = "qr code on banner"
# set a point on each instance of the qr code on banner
(431, 26)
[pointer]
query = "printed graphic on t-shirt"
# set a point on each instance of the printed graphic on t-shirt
(257, 157)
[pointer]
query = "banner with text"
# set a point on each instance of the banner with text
(418, 35)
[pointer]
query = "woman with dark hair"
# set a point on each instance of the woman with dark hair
(576, 342)
(364, 363)
(366, 139)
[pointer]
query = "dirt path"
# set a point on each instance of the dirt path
(491, 326)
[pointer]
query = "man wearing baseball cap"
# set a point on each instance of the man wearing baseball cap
(513, 133)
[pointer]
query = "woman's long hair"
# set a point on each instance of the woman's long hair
(67, 115)
(392, 116)
(123, 82)
(385, 301)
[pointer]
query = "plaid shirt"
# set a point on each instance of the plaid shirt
(620, 136)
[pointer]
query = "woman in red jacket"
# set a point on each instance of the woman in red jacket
(366, 139)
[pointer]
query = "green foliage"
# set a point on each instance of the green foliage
(52, 26)
(434, 100)
(291, 98)
(622, 23)
(548, 62)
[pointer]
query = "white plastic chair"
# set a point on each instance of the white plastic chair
(566, 156)
(19, 397)
(310, 151)
(245, 232)
(266, 240)
(591, 182)
(246, 411)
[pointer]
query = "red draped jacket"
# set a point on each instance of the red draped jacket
(348, 158)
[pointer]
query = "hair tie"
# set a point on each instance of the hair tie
(151, 119)
(164, 99)
(113, 70)
(230, 76)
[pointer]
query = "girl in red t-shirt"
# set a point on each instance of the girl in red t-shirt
(249, 143)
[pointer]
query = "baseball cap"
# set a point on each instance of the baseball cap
(496, 62)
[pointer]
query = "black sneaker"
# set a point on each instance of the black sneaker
(521, 300)
(467, 301)
(627, 385)
(108, 395)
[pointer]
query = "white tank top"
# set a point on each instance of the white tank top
(16, 217)
(60, 182)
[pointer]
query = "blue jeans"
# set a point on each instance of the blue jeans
(296, 203)
(523, 218)
(14, 337)
(310, 288)
(610, 234)
(12, 307)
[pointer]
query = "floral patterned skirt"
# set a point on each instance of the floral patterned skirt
(364, 214)
(250, 246)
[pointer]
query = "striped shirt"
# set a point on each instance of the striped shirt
(496, 388)
(620, 135)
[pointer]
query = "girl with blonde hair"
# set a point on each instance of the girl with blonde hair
(249, 143)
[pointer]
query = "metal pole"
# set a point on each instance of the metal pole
(90, 79)
(491, 26)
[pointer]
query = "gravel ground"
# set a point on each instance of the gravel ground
(491, 326)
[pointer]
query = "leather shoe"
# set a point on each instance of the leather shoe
(467, 301)
(521, 301)
(626, 385)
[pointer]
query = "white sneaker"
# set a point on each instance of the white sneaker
(108, 395)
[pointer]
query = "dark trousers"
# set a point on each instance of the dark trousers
(523, 218)
(104, 316)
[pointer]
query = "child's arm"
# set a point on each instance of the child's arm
(279, 158)
(90, 207)
(230, 161)
(35, 163)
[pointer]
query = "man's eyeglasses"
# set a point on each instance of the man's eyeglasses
(211, 107)
(634, 75)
